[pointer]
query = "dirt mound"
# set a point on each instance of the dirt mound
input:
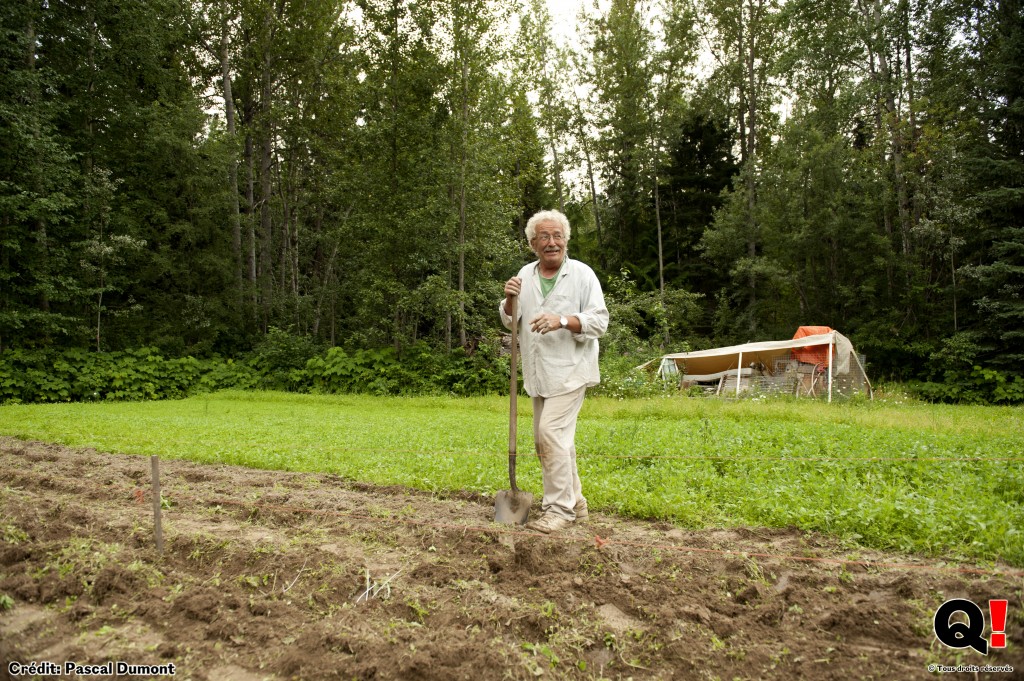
(282, 575)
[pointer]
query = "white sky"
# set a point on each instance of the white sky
(563, 17)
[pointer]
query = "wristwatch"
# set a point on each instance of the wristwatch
(563, 323)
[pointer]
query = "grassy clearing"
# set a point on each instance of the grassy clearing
(939, 480)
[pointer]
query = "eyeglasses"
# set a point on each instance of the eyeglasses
(545, 238)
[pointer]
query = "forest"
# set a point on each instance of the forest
(195, 177)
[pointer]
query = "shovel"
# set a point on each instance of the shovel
(512, 506)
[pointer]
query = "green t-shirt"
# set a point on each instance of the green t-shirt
(547, 284)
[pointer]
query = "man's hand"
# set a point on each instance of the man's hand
(512, 289)
(543, 323)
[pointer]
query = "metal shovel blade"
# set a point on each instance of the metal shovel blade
(511, 507)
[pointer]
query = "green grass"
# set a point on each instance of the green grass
(943, 481)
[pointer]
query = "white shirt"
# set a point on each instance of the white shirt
(560, 361)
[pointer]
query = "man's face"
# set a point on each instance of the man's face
(549, 244)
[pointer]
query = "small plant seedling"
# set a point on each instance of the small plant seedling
(418, 609)
(14, 535)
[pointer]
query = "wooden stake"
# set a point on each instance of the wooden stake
(158, 529)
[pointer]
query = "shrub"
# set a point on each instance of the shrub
(620, 378)
(280, 358)
(284, 362)
(420, 370)
(78, 375)
(979, 385)
(959, 377)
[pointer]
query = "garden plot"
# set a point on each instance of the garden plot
(300, 575)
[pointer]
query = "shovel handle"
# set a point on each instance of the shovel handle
(513, 392)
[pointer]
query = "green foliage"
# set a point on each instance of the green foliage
(280, 358)
(641, 322)
(644, 319)
(976, 386)
(621, 379)
(78, 375)
(374, 371)
(281, 362)
(227, 374)
(701, 167)
(958, 377)
(482, 373)
(143, 374)
(420, 370)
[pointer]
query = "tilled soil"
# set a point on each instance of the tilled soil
(272, 575)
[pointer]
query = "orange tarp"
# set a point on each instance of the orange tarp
(815, 354)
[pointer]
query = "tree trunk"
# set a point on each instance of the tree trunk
(464, 160)
(743, 96)
(911, 138)
(284, 254)
(892, 120)
(266, 225)
(751, 154)
(250, 200)
(661, 252)
(328, 277)
(42, 240)
(229, 117)
(99, 313)
(5, 266)
(557, 170)
(593, 184)
(266, 163)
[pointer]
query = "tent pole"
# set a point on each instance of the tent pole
(739, 372)
(830, 345)
(871, 391)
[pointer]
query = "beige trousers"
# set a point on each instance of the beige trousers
(554, 434)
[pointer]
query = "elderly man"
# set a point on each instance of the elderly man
(561, 303)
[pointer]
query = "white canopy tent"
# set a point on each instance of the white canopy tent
(765, 358)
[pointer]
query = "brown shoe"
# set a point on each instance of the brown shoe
(548, 523)
(582, 513)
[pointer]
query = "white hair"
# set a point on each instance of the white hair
(547, 216)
